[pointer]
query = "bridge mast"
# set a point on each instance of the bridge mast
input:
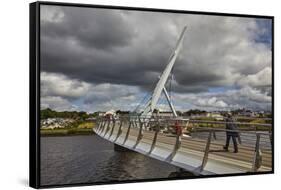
(150, 106)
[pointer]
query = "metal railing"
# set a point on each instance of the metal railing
(255, 135)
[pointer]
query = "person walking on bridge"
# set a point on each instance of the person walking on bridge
(231, 132)
(178, 130)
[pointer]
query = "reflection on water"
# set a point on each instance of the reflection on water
(86, 159)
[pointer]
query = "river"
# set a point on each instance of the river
(90, 159)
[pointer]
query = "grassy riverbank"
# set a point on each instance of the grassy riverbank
(66, 132)
(73, 128)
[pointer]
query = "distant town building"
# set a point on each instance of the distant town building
(246, 113)
(52, 123)
(215, 115)
(100, 113)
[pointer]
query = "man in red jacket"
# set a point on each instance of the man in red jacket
(178, 128)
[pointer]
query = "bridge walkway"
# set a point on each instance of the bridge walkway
(191, 150)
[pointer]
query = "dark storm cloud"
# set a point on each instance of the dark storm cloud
(89, 28)
(199, 75)
(97, 46)
(132, 48)
(99, 67)
(84, 45)
(129, 49)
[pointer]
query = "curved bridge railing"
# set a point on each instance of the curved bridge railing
(194, 145)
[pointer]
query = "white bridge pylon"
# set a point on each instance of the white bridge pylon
(160, 86)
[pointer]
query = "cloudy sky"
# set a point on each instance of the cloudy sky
(98, 59)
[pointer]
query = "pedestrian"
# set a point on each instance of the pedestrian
(231, 133)
(178, 130)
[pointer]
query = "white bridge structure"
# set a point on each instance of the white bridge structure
(199, 147)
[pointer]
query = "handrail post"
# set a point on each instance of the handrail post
(178, 142)
(107, 128)
(154, 138)
(99, 121)
(206, 153)
(119, 130)
(214, 133)
(112, 129)
(140, 135)
(103, 127)
(210, 126)
(101, 124)
(176, 147)
(136, 122)
(257, 160)
(128, 132)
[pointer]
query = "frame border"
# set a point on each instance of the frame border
(34, 95)
(34, 91)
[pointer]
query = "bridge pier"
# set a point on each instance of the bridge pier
(119, 148)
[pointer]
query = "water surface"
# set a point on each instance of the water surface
(87, 159)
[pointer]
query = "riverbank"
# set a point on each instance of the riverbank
(66, 132)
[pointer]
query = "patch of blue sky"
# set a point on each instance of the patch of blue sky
(265, 34)
(221, 89)
(78, 103)
(184, 106)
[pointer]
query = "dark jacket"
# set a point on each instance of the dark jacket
(231, 126)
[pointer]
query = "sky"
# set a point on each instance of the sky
(99, 59)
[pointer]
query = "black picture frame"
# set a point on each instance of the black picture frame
(34, 90)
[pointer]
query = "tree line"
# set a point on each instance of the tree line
(49, 113)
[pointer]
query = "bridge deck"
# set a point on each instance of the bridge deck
(191, 151)
(245, 153)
